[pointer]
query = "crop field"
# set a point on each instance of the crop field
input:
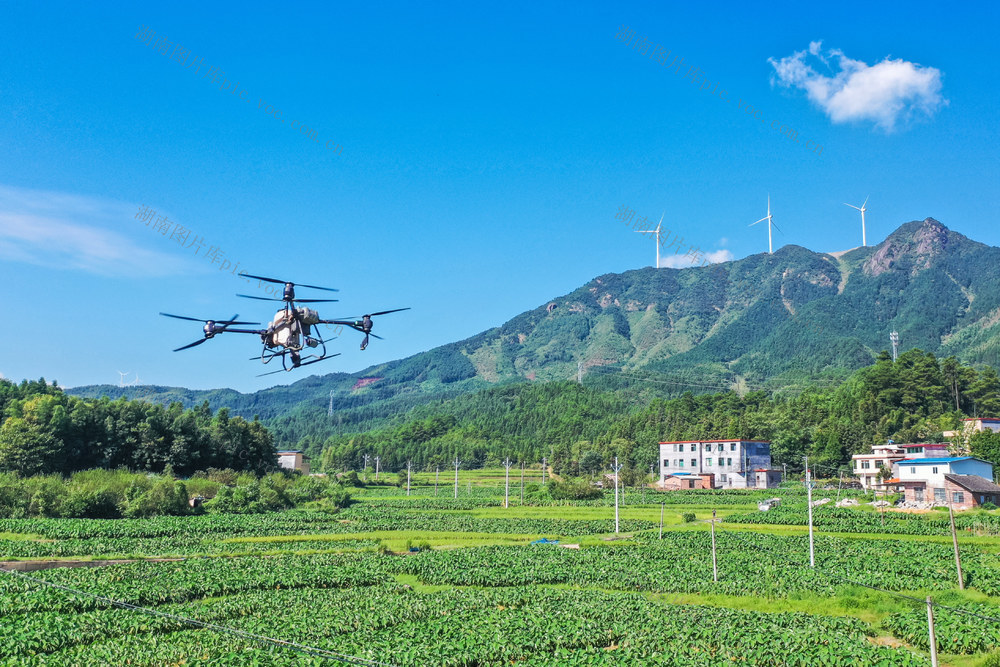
(425, 579)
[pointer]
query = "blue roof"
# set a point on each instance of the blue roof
(950, 459)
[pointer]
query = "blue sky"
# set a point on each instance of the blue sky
(465, 159)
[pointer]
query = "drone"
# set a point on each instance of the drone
(292, 330)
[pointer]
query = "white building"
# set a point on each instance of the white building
(944, 481)
(736, 464)
(866, 467)
(293, 459)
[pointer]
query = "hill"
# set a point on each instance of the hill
(789, 320)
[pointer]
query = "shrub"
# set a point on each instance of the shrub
(83, 504)
(574, 489)
(164, 497)
(988, 506)
(688, 517)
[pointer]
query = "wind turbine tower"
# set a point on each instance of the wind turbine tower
(770, 223)
(864, 238)
(121, 380)
(656, 233)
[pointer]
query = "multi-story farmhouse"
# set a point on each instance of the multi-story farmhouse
(732, 464)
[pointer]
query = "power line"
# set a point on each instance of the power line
(318, 652)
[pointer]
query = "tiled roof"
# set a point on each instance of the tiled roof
(974, 483)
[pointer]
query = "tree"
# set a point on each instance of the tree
(591, 462)
(985, 444)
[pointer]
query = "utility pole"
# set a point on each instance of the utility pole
(437, 475)
(407, 478)
(543, 471)
(365, 471)
(715, 567)
(376, 468)
(662, 505)
(954, 541)
(579, 372)
(930, 632)
(506, 482)
(522, 481)
(784, 471)
(809, 497)
(617, 468)
(457, 463)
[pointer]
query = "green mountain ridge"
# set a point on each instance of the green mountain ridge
(793, 319)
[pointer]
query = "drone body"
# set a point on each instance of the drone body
(292, 329)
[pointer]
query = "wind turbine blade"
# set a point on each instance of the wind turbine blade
(866, 201)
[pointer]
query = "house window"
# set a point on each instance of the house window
(694, 448)
(866, 464)
(934, 470)
(681, 462)
(722, 478)
(940, 496)
(681, 448)
(729, 462)
(957, 497)
(918, 495)
(708, 448)
(913, 470)
(694, 463)
(666, 462)
(918, 450)
(708, 461)
(732, 446)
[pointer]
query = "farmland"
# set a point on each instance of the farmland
(431, 579)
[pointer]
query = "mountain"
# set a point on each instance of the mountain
(791, 319)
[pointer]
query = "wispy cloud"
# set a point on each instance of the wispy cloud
(888, 93)
(684, 261)
(71, 232)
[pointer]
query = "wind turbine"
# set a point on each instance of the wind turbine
(656, 232)
(121, 381)
(864, 239)
(770, 223)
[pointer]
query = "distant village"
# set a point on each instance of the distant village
(925, 475)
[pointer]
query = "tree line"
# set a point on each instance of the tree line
(43, 430)
(581, 429)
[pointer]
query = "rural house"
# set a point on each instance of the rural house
(866, 467)
(735, 464)
(293, 459)
(946, 481)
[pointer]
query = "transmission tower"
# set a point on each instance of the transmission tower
(329, 410)
(894, 339)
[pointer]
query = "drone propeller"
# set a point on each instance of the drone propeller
(284, 282)
(197, 342)
(264, 298)
(259, 298)
(195, 319)
(211, 328)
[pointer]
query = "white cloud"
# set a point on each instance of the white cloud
(887, 93)
(71, 232)
(684, 261)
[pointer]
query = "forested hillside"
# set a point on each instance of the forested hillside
(577, 426)
(786, 322)
(43, 430)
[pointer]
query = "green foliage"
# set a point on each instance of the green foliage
(44, 430)
(578, 488)
(688, 517)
